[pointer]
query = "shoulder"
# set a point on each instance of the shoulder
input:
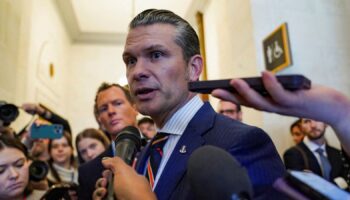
(94, 163)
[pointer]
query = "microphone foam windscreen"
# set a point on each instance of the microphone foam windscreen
(215, 174)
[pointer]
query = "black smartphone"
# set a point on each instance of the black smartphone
(290, 82)
(59, 192)
(314, 186)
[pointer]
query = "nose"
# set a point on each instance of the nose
(13, 173)
(111, 109)
(139, 71)
(90, 154)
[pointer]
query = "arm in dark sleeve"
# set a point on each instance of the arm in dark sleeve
(55, 118)
(258, 155)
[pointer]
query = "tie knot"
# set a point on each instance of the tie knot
(160, 137)
(319, 151)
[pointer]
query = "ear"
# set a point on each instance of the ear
(195, 67)
(240, 115)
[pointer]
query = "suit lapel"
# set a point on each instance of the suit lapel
(142, 158)
(313, 163)
(190, 140)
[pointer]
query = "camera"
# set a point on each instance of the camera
(38, 170)
(8, 112)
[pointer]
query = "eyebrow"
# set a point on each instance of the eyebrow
(150, 48)
(19, 159)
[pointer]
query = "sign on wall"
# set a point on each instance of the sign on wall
(276, 49)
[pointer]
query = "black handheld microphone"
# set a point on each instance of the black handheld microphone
(127, 144)
(215, 174)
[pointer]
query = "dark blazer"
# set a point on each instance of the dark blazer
(293, 159)
(89, 173)
(251, 146)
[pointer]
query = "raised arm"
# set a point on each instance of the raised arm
(319, 103)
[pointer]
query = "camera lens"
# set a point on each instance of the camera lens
(38, 170)
(8, 113)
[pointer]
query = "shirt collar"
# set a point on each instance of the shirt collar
(313, 146)
(182, 117)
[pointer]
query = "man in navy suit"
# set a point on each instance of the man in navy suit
(114, 110)
(162, 55)
(305, 155)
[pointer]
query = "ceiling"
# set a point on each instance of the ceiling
(106, 21)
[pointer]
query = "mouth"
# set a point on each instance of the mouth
(15, 186)
(144, 93)
(114, 122)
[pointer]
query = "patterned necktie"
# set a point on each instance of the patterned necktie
(156, 154)
(325, 165)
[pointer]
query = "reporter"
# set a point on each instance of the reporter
(14, 171)
(90, 143)
(62, 165)
(318, 103)
(128, 185)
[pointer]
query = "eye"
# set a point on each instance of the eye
(102, 109)
(129, 61)
(156, 54)
(19, 163)
(2, 170)
(117, 103)
(83, 152)
(93, 146)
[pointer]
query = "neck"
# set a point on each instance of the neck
(319, 141)
(162, 118)
(65, 165)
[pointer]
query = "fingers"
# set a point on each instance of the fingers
(99, 194)
(113, 163)
(101, 182)
(276, 90)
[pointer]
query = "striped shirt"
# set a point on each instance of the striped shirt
(175, 126)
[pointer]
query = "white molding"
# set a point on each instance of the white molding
(69, 17)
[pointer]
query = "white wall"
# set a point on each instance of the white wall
(10, 28)
(49, 43)
(230, 47)
(320, 47)
(89, 66)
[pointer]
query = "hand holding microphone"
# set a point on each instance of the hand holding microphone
(127, 144)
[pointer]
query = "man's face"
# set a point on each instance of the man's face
(148, 130)
(114, 110)
(156, 70)
(313, 129)
(230, 110)
(297, 134)
(40, 146)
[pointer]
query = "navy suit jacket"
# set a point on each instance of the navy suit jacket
(293, 159)
(89, 173)
(251, 146)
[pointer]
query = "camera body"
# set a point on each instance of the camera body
(8, 113)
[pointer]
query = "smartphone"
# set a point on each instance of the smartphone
(289, 82)
(51, 131)
(314, 186)
(59, 191)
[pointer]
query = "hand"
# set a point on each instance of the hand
(33, 109)
(101, 186)
(128, 185)
(318, 103)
